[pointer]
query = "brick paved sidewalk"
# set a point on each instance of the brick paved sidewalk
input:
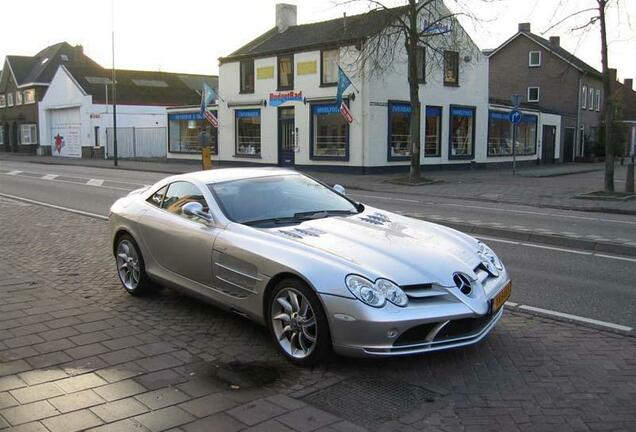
(77, 352)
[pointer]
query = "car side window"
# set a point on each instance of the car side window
(157, 197)
(181, 193)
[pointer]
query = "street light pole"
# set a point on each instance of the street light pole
(114, 87)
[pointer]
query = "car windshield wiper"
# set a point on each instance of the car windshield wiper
(300, 217)
(319, 214)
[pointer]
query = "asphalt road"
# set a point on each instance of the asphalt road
(567, 281)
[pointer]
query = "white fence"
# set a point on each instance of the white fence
(137, 142)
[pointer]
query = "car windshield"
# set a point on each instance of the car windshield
(282, 199)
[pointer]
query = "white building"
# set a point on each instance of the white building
(76, 117)
(298, 64)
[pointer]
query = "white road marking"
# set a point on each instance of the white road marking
(49, 177)
(512, 304)
(95, 182)
(70, 210)
(558, 249)
(76, 177)
(14, 172)
(577, 318)
(616, 257)
(84, 184)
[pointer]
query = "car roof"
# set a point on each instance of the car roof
(218, 175)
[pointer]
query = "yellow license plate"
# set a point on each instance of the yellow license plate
(501, 298)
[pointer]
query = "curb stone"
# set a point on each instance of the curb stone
(529, 236)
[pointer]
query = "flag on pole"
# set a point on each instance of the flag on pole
(343, 83)
(208, 95)
(344, 111)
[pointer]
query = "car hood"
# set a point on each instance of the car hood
(384, 244)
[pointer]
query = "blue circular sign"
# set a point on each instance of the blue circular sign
(515, 117)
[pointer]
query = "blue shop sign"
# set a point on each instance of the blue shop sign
(185, 116)
(248, 113)
(324, 109)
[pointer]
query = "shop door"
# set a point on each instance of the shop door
(547, 148)
(568, 145)
(286, 136)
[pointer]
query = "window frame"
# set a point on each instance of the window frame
(450, 132)
(591, 99)
(33, 132)
(439, 132)
(312, 156)
(512, 133)
(293, 71)
(421, 74)
(180, 214)
(215, 149)
(236, 135)
(242, 89)
(151, 202)
(323, 83)
(9, 100)
(24, 98)
(584, 97)
(538, 94)
(389, 129)
(597, 101)
(1, 135)
(456, 55)
(3, 100)
(18, 98)
(534, 65)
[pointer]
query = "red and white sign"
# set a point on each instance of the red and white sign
(344, 110)
(211, 118)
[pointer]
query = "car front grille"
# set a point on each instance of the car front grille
(431, 332)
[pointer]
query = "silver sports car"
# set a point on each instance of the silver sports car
(322, 271)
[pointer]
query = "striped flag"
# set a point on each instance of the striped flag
(344, 111)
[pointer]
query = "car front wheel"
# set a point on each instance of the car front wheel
(298, 323)
(130, 266)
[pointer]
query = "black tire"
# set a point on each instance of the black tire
(143, 285)
(322, 349)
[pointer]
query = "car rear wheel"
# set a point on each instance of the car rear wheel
(298, 323)
(130, 266)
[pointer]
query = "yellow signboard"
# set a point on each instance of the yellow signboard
(307, 67)
(265, 72)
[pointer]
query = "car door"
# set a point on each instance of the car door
(178, 243)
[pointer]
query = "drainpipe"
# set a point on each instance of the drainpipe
(364, 106)
(578, 118)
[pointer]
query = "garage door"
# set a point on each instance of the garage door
(65, 132)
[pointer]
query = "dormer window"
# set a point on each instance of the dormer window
(534, 59)
(64, 57)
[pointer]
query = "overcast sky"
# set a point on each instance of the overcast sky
(190, 35)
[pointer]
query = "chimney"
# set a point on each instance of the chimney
(612, 75)
(629, 83)
(555, 41)
(285, 16)
(524, 27)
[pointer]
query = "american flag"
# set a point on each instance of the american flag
(211, 118)
(344, 110)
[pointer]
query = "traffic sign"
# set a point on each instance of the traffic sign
(515, 117)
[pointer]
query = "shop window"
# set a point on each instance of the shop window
(247, 76)
(399, 130)
(534, 58)
(533, 94)
(462, 132)
(451, 68)
(29, 96)
(286, 72)
(500, 135)
(10, 99)
(248, 132)
(421, 64)
(433, 131)
(3, 101)
(28, 134)
(189, 132)
(329, 67)
(329, 133)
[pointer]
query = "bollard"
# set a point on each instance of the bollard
(206, 158)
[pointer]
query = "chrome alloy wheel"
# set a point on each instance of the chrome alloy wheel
(294, 323)
(128, 264)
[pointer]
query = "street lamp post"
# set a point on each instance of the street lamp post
(114, 88)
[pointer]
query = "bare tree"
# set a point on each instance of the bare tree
(593, 15)
(408, 32)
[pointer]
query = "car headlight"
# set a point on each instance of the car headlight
(376, 294)
(488, 257)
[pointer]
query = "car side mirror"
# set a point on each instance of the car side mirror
(196, 209)
(340, 189)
